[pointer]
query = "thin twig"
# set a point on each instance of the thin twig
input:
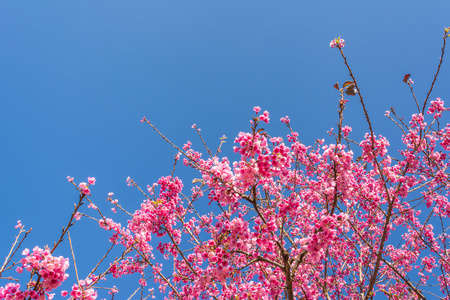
(73, 257)
(13, 251)
(441, 59)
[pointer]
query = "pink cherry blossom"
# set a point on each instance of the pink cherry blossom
(19, 224)
(91, 180)
(337, 42)
(436, 108)
(346, 130)
(285, 120)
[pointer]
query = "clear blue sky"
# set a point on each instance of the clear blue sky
(77, 76)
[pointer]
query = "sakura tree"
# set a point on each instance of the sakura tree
(340, 219)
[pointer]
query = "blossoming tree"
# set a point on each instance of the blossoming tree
(287, 220)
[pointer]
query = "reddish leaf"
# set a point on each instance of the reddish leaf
(406, 77)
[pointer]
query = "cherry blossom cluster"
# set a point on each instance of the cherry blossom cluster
(51, 269)
(82, 291)
(12, 292)
(436, 108)
(337, 43)
(84, 187)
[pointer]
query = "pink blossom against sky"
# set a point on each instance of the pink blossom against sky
(76, 78)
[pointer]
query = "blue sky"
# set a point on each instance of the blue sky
(76, 77)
